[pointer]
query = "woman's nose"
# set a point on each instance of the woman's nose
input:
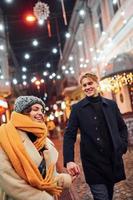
(40, 112)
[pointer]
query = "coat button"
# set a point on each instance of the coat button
(95, 117)
(101, 150)
(98, 139)
(96, 128)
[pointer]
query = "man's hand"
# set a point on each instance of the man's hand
(73, 169)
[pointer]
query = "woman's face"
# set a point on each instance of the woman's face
(36, 113)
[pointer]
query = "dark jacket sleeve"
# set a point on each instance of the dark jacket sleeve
(122, 130)
(70, 137)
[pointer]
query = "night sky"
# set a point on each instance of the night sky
(21, 34)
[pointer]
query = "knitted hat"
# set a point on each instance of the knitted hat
(24, 102)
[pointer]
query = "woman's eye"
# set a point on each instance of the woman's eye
(35, 109)
(84, 85)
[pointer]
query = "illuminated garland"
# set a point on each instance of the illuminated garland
(116, 82)
(41, 11)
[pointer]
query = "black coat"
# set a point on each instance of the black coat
(95, 167)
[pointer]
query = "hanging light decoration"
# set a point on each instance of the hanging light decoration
(49, 28)
(116, 82)
(41, 11)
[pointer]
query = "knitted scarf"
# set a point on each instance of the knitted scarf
(11, 143)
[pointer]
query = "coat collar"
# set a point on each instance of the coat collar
(50, 154)
(86, 101)
(30, 148)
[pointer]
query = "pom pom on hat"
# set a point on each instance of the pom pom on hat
(23, 102)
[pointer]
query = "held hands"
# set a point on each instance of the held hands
(63, 180)
(73, 169)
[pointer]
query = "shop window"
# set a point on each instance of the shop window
(0, 70)
(116, 4)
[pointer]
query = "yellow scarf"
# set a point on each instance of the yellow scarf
(11, 143)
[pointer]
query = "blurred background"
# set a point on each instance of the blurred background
(44, 47)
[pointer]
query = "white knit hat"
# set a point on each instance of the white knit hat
(23, 102)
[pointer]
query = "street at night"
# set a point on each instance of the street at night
(80, 190)
(66, 99)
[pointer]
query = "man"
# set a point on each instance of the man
(103, 140)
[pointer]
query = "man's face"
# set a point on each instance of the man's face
(36, 113)
(89, 87)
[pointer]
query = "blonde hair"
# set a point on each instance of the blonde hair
(88, 75)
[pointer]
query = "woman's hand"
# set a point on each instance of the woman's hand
(64, 180)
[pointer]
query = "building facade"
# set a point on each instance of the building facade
(5, 88)
(100, 40)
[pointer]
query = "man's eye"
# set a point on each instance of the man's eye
(90, 83)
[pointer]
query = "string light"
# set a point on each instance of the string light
(2, 47)
(70, 58)
(80, 42)
(24, 69)
(33, 79)
(15, 81)
(8, 1)
(24, 77)
(7, 83)
(68, 35)
(58, 77)
(63, 67)
(35, 43)
(48, 65)
(24, 83)
(1, 27)
(82, 13)
(45, 73)
(54, 50)
(27, 56)
(116, 82)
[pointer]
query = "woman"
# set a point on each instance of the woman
(27, 156)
